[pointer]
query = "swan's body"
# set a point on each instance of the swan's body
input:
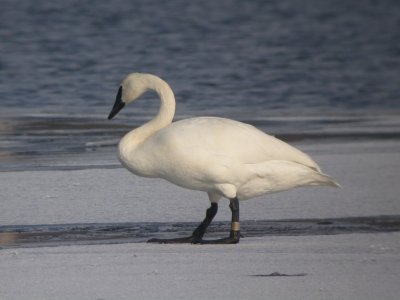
(222, 157)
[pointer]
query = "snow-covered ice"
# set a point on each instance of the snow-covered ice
(352, 266)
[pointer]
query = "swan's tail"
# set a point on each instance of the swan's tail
(292, 173)
(306, 175)
(279, 175)
(327, 180)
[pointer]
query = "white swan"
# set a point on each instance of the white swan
(222, 157)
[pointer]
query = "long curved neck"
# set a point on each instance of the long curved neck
(164, 116)
(166, 112)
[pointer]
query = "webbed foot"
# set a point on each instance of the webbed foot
(233, 238)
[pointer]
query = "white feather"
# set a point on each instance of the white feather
(219, 156)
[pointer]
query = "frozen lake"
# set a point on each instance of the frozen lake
(321, 76)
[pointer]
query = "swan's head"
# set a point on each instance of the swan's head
(132, 87)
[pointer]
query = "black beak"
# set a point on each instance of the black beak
(118, 105)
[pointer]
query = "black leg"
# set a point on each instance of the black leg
(234, 235)
(235, 224)
(198, 233)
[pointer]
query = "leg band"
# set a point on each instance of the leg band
(235, 226)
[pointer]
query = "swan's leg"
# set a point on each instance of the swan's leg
(235, 224)
(198, 233)
(234, 235)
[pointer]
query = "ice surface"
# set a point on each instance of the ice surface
(353, 266)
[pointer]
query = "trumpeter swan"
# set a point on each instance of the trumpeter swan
(222, 157)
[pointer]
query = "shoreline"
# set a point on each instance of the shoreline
(37, 142)
(99, 155)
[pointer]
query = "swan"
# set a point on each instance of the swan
(222, 157)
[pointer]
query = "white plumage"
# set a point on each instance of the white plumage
(222, 157)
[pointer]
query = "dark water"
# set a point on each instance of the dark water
(61, 63)
(72, 234)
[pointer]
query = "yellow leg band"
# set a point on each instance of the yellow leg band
(235, 226)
